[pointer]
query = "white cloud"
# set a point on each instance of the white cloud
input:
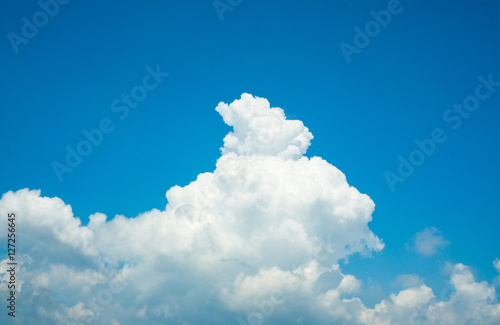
(62, 276)
(429, 241)
(260, 129)
(470, 303)
(78, 312)
(410, 298)
(259, 237)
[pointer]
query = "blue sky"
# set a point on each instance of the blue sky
(363, 114)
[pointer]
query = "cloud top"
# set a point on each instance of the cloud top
(259, 128)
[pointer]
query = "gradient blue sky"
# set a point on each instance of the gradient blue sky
(363, 114)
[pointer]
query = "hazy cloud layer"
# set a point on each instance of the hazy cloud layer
(429, 241)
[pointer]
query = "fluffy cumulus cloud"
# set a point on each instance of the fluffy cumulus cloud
(258, 240)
